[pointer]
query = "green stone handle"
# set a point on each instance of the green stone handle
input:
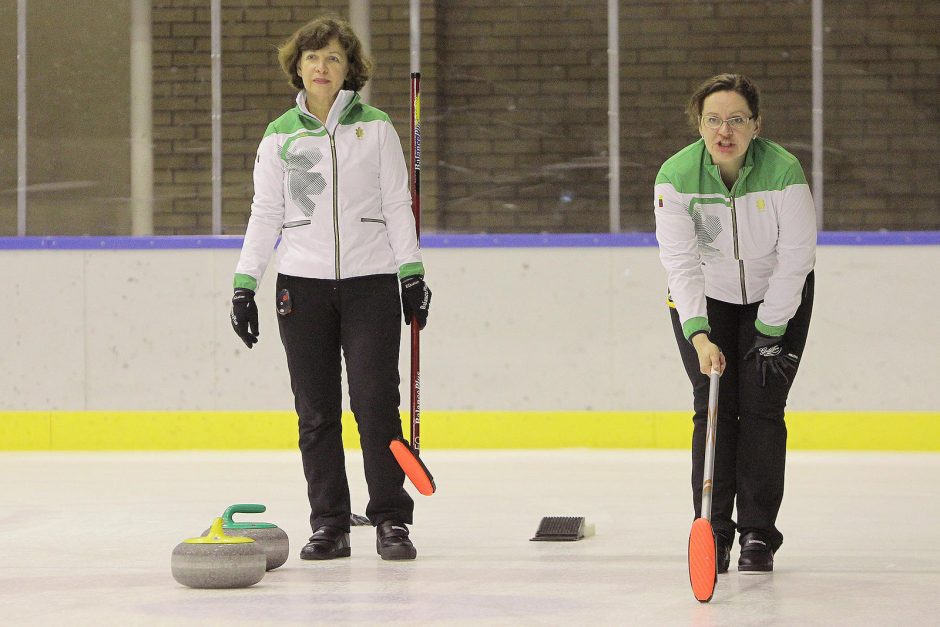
(245, 508)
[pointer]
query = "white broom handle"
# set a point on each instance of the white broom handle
(414, 35)
(710, 445)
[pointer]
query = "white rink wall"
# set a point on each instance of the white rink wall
(510, 329)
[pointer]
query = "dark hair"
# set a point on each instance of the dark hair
(317, 34)
(723, 82)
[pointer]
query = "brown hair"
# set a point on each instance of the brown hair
(723, 82)
(317, 34)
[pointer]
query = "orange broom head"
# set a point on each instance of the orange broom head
(703, 566)
(413, 466)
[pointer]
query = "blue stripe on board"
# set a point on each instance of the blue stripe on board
(157, 242)
(458, 240)
(879, 238)
(537, 240)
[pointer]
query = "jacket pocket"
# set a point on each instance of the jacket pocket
(290, 225)
(376, 220)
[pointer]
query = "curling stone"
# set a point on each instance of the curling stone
(269, 536)
(218, 561)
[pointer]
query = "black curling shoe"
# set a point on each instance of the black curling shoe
(757, 558)
(326, 543)
(392, 542)
(723, 556)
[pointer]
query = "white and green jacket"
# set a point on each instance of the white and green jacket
(336, 193)
(754, 242)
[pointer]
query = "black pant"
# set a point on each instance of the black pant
(751, 437)
(362, 318)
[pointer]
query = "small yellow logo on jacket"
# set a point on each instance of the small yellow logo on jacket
(359, 132)
(760, 204)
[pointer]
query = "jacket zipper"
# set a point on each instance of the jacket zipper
(737, 253)
(335, 205)
(335, 181)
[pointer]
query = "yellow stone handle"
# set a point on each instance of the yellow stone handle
(217, 536)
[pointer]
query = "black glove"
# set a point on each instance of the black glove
(415, 300)
(245, 315)
(772, 356)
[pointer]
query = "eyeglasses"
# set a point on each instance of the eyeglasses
(714, 122)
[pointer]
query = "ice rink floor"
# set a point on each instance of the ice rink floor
(87, 539)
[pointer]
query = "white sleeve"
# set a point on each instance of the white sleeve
(796, 256)
(267, 211)
(396, 199)
(679, 253)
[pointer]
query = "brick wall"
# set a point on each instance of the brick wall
(255, 91)
(883, 115)
(514, 96)
(523, 116)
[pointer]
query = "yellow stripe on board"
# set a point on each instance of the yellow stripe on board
(207, 430)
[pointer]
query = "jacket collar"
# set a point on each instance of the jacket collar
(746, 167)
(345, 100)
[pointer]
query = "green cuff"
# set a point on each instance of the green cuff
(694, 325)
(245, 281)
(411, 269)
(769, 331)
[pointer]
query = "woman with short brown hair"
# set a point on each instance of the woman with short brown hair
(331, 182)
(736, 227)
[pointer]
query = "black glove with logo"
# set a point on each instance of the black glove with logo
(245, 315)
(771, 356)
(415, 299)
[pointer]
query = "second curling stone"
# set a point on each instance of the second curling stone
(269, 536)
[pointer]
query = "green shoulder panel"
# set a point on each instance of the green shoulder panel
(686, 159)
(686, 172)
(774, 168)
(361, 112)
(271, 128)
(771, 168)
(291, 122)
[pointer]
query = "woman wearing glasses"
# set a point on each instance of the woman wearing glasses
(736, 228)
